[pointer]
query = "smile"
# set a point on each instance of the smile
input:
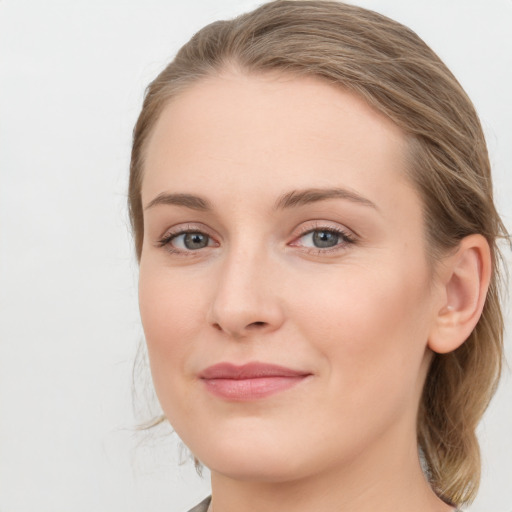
(251, 381)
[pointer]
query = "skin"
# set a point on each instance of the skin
(358, 317)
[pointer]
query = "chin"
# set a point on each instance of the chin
(264, 468)
(247, 458)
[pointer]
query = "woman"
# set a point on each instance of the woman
(311, 201)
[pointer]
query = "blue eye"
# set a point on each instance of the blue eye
(194, 241)
(324, 238)
(186, 241)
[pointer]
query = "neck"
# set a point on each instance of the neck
(385, 479)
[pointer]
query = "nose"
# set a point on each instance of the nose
(246, 298)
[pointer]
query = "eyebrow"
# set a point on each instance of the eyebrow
(186, 200)
(295, 198)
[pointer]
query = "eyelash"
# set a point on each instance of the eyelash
(346, 239)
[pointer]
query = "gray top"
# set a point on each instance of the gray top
(203, 506)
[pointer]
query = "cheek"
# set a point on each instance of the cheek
(169, 309)
(371, 328)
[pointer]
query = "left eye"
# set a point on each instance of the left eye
(324, 239)
(321, 239)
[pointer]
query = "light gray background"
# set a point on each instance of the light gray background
(72, 75)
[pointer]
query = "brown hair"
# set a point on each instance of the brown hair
(390, 67)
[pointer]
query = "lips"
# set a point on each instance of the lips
(250, 381)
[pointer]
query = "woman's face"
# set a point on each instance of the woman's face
(284, 289)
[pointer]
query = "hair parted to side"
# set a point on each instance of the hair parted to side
(389, 66)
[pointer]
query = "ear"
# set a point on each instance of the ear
(464, 277)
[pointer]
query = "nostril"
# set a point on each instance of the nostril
(257, 324)
(238, 331)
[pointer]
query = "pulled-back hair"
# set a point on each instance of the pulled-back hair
(390, 67)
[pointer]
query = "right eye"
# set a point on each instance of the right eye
(186, 241)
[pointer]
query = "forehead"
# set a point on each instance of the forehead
(257, 134)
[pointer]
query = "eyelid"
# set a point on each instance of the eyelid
(187, 227)
(318, 225)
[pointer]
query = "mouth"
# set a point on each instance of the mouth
(250, 381)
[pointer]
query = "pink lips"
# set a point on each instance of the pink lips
(249, 381)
